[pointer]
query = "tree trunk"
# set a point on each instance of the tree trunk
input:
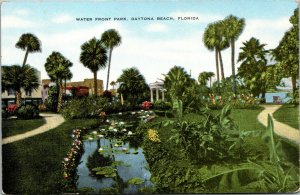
(95, 83)
(221, 65)
(210, 83)
(294, 81)
(65, 86)
(108, 68)
(59, 103)
(233, 66)
(217, 65)
(18, 98)
(25, 58)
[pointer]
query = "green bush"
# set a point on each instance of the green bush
(27, 112)
(5, 114)
(87, 107)
(162, 105)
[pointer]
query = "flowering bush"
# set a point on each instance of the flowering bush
(11, 109)
(153, 135)
(71, 161)
(146, 105)
(27, 112)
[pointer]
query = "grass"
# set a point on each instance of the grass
(34, 165)
(288, 114)
(16, 126)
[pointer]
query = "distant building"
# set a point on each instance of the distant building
(33, 97)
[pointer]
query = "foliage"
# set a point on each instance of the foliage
(27, 112)
(153, 135)
(86, 190)
(253, 68)
(294, 97)
(97, 160)
(162, 105)
(19, 77)
(4, 115)
(58, 69)
(30, 43)
(110, 38)
(204, 77)
(93, 56)
(105, 171)
(51, 101)
(84, 107)
(135, 181)
(133, 86)
(286, 53)
(109, 190)
(107, 94)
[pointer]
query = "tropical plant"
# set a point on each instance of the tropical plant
(57, 67)
(204, 77)
(27, 112)
(233, 29)
(133, 86)
(113, 84)
(19, 77)
(287, 52)
(30, 43)
(110, 38)
(93, 56)
(253, 68)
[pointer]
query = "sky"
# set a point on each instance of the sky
(152, 46)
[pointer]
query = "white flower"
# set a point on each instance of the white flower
(115, 130)
(142, 110)
(90, 138)
(107, 121)
(147, 115)
(121, 123)
(100, 149)
(94, 132)
(102, 129)
(129, 133)
(120, 113)
(124, 149)
(132, 113)
(124, 130)
(66, 159)
(110, 128)
(73, 136)
(146, 111)
(100, 135)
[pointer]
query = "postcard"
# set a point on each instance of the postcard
(142, 97)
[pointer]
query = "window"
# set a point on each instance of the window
(28, 92)
(11, 91)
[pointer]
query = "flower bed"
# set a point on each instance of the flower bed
(71, 161)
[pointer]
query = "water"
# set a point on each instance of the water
(282, 95)
(137, 168)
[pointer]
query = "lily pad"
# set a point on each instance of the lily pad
(106, 171)
(135, 181)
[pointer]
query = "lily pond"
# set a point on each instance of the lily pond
(113, 159)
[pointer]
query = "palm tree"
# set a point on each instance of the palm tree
(94, 57)
(253, 66)
(57, 67)
(204, 77)
(113, 84)
(210, 39)
(19, 77)
(234, 28)
(221, 44)
(110, 38)
(30, 43)
(133, 85)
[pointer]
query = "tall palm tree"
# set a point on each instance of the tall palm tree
(19, 77)
(57, 67)
(110, 38)
(30, 44)
(234, 28)
(94, 57)
(204, 77)
(113, 84)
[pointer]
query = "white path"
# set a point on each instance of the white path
(280, 129)
(52, 121)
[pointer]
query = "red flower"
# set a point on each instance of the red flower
(11, 108)
(146, 105)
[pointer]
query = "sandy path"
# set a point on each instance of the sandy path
(280, 129)
(52, 121)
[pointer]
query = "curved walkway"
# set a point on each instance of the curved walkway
(52, 121)
(280, 129)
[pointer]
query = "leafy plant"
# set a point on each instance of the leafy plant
(135, 181)
(106, 171)
(27, 112)
(109, 191)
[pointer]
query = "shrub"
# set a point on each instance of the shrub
(84, 107)
(27, 112)
(5, 114)
(146, 105)
(107, 94)
(162, 105)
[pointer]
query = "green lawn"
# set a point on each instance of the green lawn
(34, 165)
(16, 126)
(288, 114)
